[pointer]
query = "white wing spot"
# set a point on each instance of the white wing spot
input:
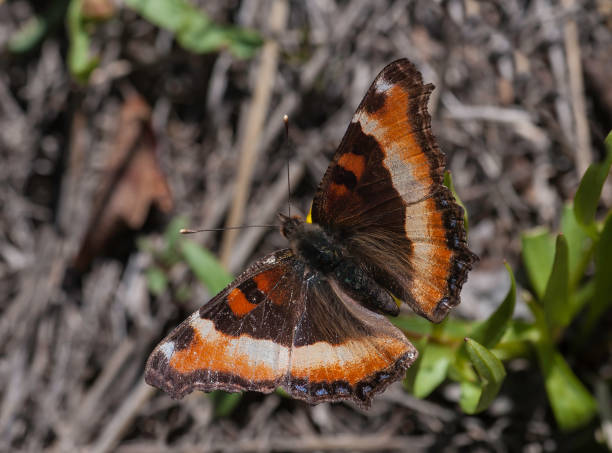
(168, 349)
(382, 85)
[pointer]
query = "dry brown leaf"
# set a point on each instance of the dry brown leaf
(98, 9)
(133, 184)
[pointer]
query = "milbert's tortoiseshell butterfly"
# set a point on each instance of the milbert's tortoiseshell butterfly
(310, 318)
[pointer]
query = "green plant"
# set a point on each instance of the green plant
(193, 29)
(462, 351)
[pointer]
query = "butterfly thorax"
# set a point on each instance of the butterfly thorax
(324, 252)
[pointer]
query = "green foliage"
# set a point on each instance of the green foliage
(156, 280)
(538, 256)
(572, 404)
(589, 191)
(448, 182)
(567, 292)
(555, 298)
(29, 35)
(491, 331)
(579, 243)
(477, 395)
(80, 62)
(176, 248)
(194, 30)
(431, 369)
(555, 265)
(205, 266)
(224, 402)
(445, 352)
(602, 297)
(32, 32)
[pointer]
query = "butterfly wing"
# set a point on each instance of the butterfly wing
(383, 194)
(239, 340)
(343, 351)
(281, 325)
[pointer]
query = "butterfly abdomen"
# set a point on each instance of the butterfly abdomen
(325, 253)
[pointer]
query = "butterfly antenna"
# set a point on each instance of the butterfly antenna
(189, 231)
(287, 146)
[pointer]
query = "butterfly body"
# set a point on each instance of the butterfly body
(309, 318)
(324, 252)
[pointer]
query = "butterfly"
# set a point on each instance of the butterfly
(311, 318)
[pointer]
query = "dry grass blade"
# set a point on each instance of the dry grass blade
(572, 48)
(254, 123)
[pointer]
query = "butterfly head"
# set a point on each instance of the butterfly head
(290, 226)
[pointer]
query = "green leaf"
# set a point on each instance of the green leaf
(589, 190)
(410, 377)
(242, 43)
(538, 254)
(476, 397)
(517, 340)
(461, 368)
(224, 402)
(452, 330)
(581, 296)
(603, 265)
(555, 300)
(156, 280)
(488, 367)
(540, 323)
(173, 231)
(31, 33)
(194, 30)
(579, 246)
(448, 182)
(491, 331)
(433, 365)
(413, 325)
(520, 330)
(572, 404)
(602, 298)
(205, 266)
(471, 393)
(79, 61)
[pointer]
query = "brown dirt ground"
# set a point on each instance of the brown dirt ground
(509, 111)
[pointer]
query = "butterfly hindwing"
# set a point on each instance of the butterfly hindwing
(343, 351)
(281, 325)
(383, 193)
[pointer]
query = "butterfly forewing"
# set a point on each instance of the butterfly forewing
(383, 194)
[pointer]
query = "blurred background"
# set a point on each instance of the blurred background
(123, 121)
